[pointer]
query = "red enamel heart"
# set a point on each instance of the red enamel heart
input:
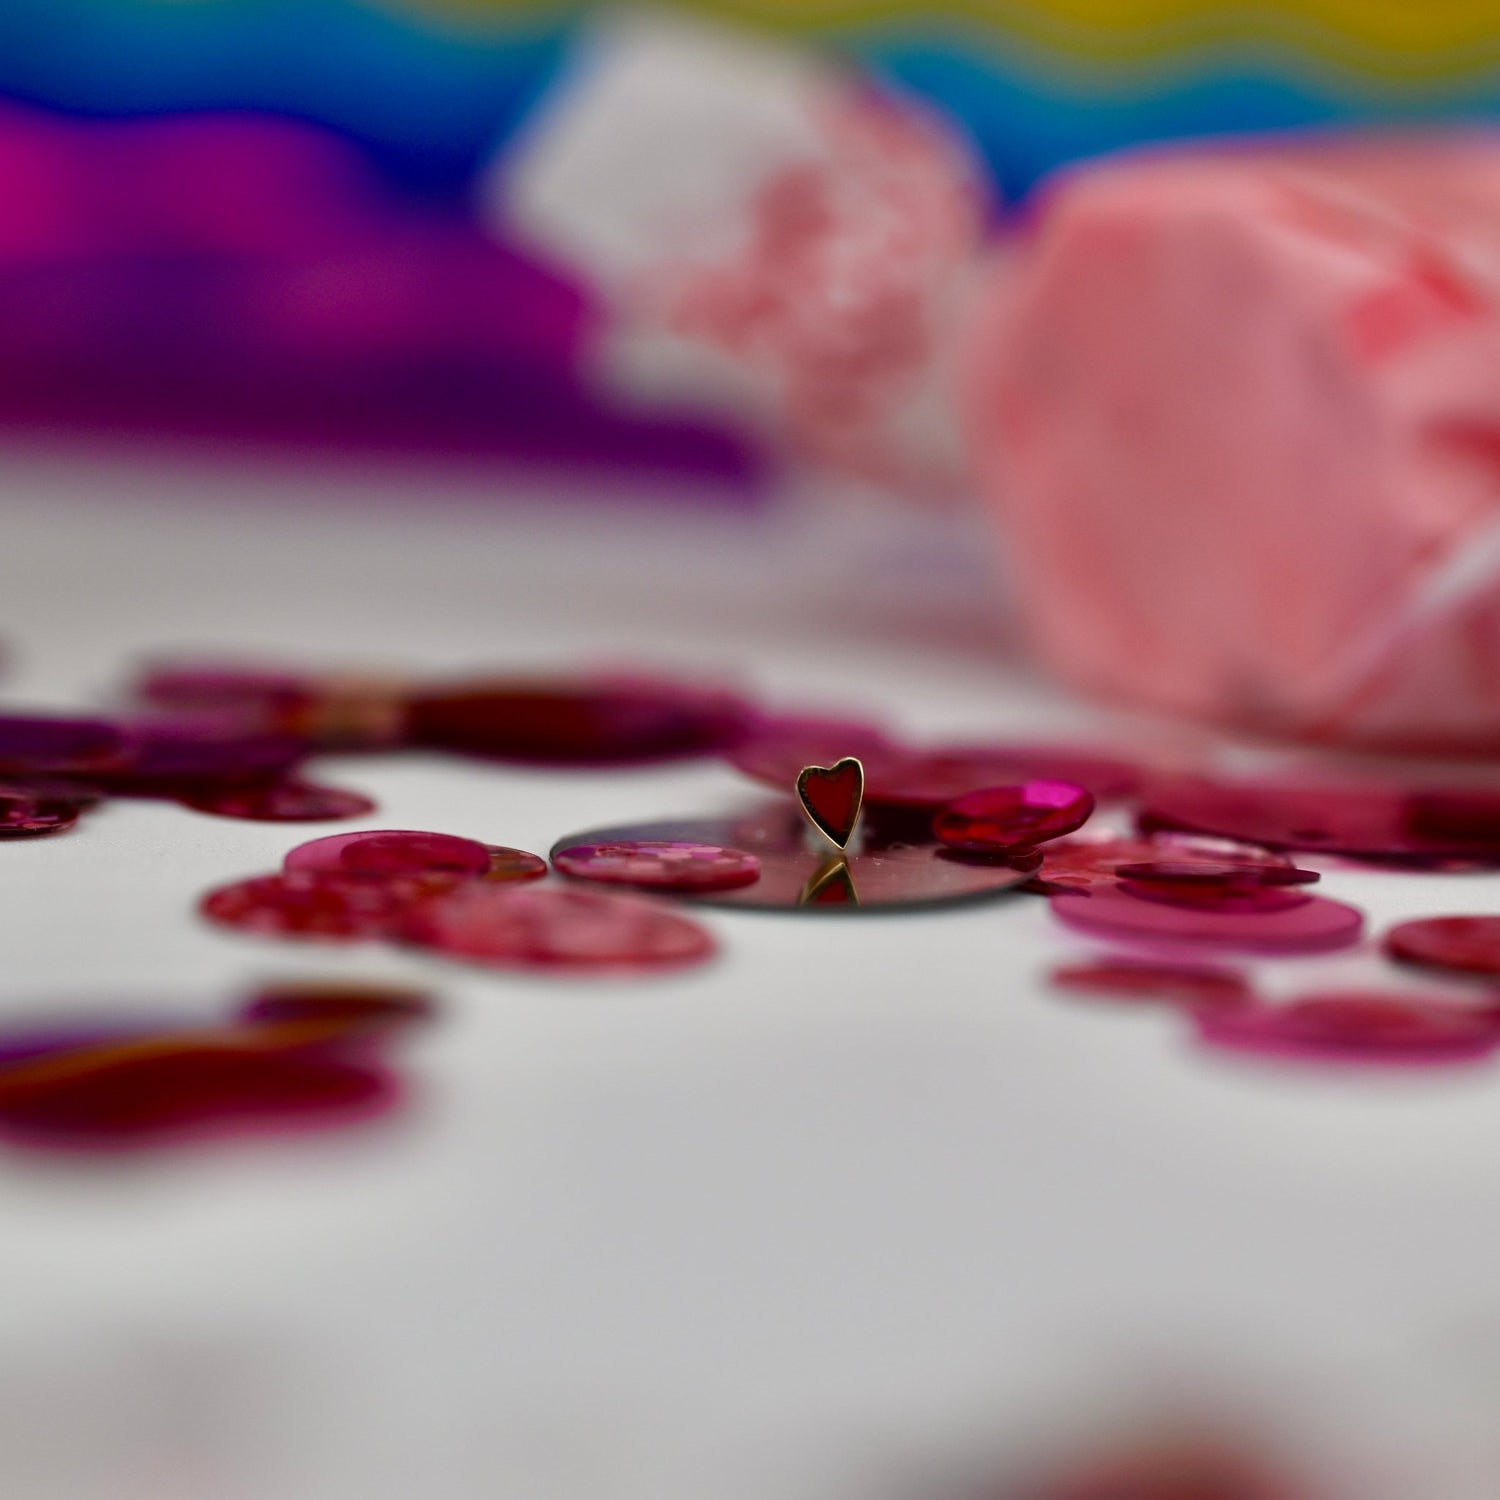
(831, 797)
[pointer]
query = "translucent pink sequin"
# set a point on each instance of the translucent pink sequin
(548, 927)
(1092, 860)
(386, 852)
(281, 802)
(1173, 984)
(1316, 925)
(1005, 818)
(318, 904)
(1464, 945)
(667, 865)
(1372, 1027)
(1376, 821)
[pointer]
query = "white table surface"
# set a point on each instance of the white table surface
(856, 1208)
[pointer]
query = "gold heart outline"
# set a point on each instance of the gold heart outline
(859, 797)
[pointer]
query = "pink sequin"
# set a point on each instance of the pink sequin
(1175, 984)
(318, 904)
(1316, 925)
(386, 852)
(1375, 820)
(660, 865)
(1465, 945)
(1005, 818)
(1095, 859)
(547, 927)
(1356, 1027)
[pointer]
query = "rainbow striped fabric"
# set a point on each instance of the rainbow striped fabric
(430, 87)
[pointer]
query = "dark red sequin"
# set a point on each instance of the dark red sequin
(149, 1091)
(280, 802)
(347, 1009)
(300, 1053)
(584, 722)
(1356, 1027)
(1005, 818)
(1465, 945)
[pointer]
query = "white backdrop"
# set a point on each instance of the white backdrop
(856, 1208)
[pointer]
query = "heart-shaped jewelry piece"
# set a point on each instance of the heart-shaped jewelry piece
(831, 796)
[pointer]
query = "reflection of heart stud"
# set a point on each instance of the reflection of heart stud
(831, 797)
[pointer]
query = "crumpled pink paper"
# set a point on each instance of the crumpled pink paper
(1239, 413)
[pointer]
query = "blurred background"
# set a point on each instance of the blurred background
(977, 362)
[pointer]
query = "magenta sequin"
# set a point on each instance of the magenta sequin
(1175, 984)
(1002, 819)
(553, 927)
(387, 852)
(1356, 1027)
(668, 865)
(1465, 945)
(1314, 926)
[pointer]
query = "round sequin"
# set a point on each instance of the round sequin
(920, 778)
(281, 802)
(1173, 984)
(938, 775)
(1370, 821)
(1316, 925)
(386, 852)
(144, 1092)
(660, 865)
(25, 815)
(1207, 872)
(1465, 945)
(1356, 1027)
(514, 864)
(1005, 818)
(1223, 895)
(317, 904)
(345, 1008)
(30, 743)
(1092, 860)
(798, 875)
(579, 722)
(556, 927)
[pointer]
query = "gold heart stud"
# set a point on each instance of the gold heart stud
(832, 796)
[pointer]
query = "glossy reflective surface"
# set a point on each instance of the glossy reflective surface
(882, 872)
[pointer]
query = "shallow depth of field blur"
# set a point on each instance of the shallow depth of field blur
(1119, 370)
